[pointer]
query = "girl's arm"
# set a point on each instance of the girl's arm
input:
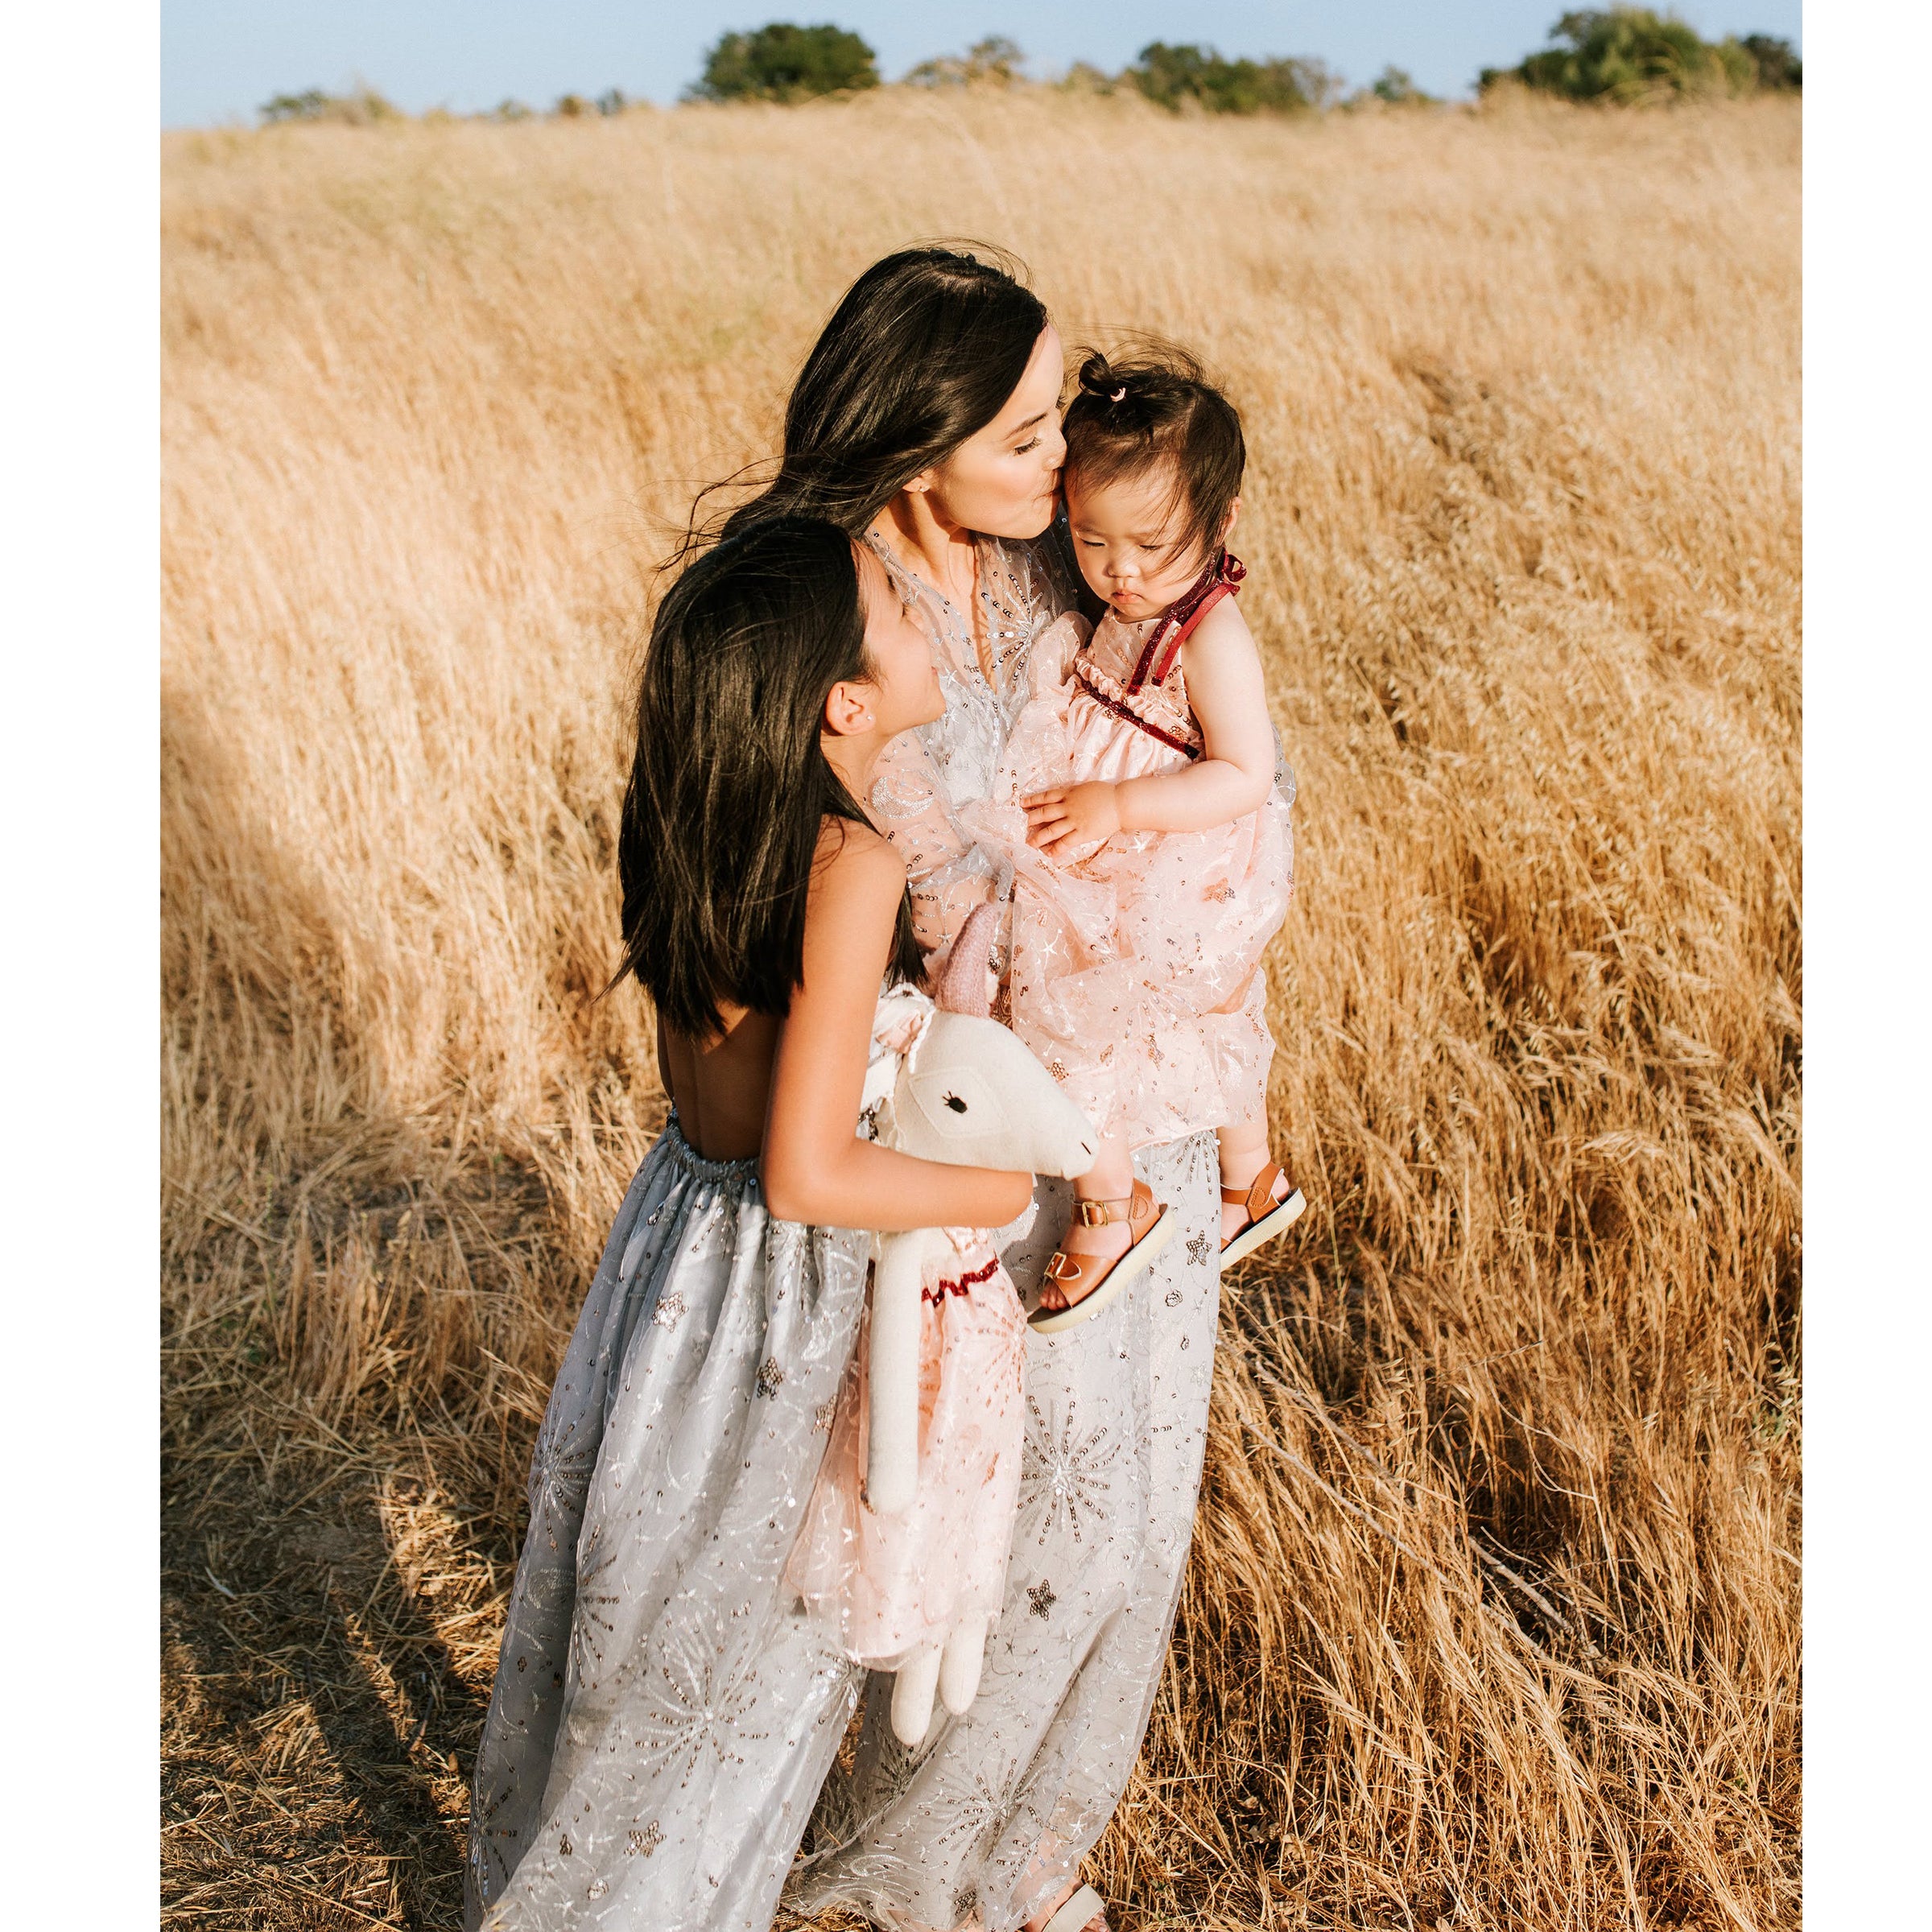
(814, 1168)
(1230, 778)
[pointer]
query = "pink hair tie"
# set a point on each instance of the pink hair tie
(1120, 395)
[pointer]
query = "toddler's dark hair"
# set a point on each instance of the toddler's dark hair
(1155, 404)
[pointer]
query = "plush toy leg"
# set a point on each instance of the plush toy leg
(959, 1667)
(892, 1463)
(912, 1696)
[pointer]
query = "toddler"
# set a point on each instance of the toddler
(1155, 862)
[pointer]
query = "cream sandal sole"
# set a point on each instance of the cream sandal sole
(1278, 1220)
(1057, 1321)
(1082, 1907)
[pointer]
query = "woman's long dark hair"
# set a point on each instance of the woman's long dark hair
(924, 351)
(730, 788)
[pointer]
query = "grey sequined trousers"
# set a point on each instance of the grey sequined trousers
(995, 1810)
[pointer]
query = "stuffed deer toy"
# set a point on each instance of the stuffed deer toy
(911, 1561)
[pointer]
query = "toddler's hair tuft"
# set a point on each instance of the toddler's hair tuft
(1155, 405)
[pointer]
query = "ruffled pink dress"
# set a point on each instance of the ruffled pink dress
(892, 1585)
(888, 1585)
(1136, 964)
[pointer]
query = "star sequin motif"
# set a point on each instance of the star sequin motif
(771, 1378)
(487, 1863)
(972, 1814)
(642, 1843)
(560, 1474)
(1042, 1598)
(667, 1310)
(595, 1625)
(693, 1702)
(1064, 1472)
(1198, 1250)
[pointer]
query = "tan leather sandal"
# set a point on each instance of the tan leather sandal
(1090, 1282)
(1267, 1217)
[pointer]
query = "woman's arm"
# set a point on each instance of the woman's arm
(1231, 778)
(814, 1168)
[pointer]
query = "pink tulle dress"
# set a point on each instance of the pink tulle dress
(1136, 964)
(889, 1586)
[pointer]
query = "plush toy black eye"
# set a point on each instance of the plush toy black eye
(957, 1105)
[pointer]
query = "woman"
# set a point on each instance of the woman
(664, 1711)
(926, 420)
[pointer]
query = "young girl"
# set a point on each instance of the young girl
(1155, 862)
(664, 1710)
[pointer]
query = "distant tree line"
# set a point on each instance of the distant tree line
(1625, 54)
(1618, 56)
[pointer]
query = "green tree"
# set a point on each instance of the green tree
(358, 108)
(1629, 54)
(1393, 85)
(994, 62)
(1171, 76)
(1778, 66)
(781, 62)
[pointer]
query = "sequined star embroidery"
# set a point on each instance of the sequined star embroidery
(1064, 1475)
(559, 1473)
(692, 1704)
(1042, 1598)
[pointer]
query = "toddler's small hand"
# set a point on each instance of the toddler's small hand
(1084, 814)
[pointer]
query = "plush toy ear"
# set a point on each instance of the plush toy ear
(963, 986)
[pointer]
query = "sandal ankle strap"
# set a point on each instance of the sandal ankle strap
(1258, 1197)
(1128, 1207)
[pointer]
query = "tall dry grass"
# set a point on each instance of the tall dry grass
(1491, 1619)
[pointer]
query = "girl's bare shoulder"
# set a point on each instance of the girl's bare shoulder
(857, 859)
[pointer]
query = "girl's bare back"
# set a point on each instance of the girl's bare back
(721, 1088)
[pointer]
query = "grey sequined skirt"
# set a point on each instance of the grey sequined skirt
(663, 1711)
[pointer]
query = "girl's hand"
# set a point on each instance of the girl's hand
(1086, 814)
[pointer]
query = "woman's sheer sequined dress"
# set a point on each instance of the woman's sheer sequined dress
(990, 1817)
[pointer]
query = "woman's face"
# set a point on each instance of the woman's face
(902, 676)
(1001, 482)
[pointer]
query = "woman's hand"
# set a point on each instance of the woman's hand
(1086, 814)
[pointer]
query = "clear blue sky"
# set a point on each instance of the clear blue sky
(221, 59)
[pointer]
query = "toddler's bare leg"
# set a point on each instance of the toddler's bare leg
(1243, 1153)
(1111, 1178)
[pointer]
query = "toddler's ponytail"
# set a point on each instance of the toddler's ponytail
(1154, 406)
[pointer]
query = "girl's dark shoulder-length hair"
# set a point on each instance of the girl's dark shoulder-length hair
(922, 352)
(730, 789)
(1155, 404)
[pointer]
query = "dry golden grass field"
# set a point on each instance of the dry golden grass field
(1492, 1616)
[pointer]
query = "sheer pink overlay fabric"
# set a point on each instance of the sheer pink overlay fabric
(1136, 964)
(927, 777)
(892, 1585)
